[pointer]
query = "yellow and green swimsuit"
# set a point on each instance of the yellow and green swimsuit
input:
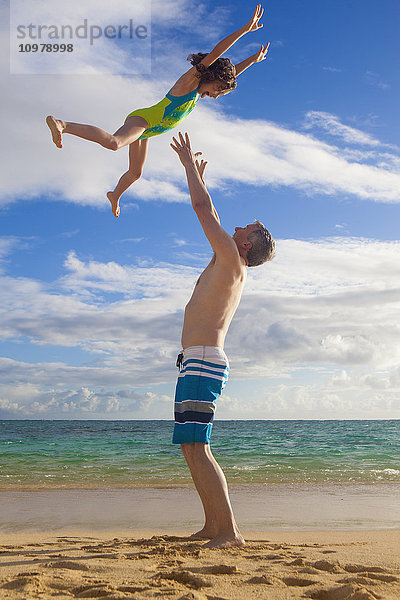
(168, 113)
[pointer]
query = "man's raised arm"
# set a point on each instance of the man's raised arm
(201, 199)
(202, 204)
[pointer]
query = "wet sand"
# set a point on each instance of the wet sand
(257, 508)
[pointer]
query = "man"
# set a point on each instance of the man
(203, 364)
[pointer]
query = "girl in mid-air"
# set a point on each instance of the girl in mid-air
(210, 75)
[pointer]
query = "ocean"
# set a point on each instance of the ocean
(130, 454)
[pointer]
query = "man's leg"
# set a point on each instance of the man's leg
(210, 529)
(211, 484)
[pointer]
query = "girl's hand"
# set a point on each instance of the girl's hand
(254, 24)
(261, 54)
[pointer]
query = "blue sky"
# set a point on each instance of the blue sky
(91, 306)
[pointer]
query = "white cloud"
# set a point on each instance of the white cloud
(281, 157)
(332, 125)
(6, 246)
(320, 334)
(29, 400)
(334, 310)
(296, 400)
(332, 69)
(104, 55)
(374, 79)
(83, 172)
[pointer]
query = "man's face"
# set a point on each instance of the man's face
(241, 233)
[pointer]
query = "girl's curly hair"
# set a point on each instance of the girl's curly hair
(222, 70)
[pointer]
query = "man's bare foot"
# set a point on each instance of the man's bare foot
(203, 534)
(225, 541)
(56, 128)
(114, 204)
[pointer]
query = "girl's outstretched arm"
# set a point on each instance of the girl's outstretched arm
(227, 42)
(189, 80)
(255, 58)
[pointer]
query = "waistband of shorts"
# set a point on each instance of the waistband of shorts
(205, 353)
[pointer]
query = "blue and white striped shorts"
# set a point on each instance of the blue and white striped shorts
(202, 378)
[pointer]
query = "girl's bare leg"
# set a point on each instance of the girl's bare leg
(137, 157)
(130, 131)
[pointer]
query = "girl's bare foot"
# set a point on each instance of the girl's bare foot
(56, 128)
(114, 204)
(225, 541)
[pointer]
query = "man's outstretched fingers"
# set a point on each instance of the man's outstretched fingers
(177, 146)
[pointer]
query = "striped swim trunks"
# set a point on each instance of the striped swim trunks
(202, 377)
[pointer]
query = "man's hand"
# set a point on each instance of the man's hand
(184, 150)
(201, 199)
(187, 156)
(202, 204)
(261, 54)
(254, 24)
(201, 166)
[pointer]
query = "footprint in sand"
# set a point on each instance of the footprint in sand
(186, 578)
(29, 574)
(384, 578)
(27, 584)
(93, 592)
(198, 596)
(67, 564)
(358, 580)
(297, 562)
(263, 580)
(325, 565)
(344, 592)
(219, 570)
(298, 581)
(363, 569)
(133, 588)
(309, 571)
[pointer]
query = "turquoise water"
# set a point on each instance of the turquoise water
(109, 454)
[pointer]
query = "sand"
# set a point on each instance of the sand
(326, 565)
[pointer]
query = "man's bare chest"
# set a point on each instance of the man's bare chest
(217, 284)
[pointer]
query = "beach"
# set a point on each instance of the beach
(105, 510)
(325, 565)
(322, 542)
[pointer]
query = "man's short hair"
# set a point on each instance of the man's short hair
(263, 248)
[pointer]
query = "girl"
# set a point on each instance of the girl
(210, 76)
